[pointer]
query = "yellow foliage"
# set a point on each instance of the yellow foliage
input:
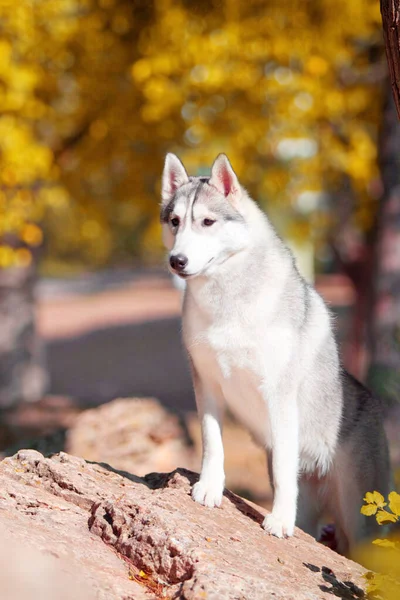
(383, 517)
(369, 510)
(386, 556)
(375, 498)
(32, 235)
(394, 503)
(23, 257)
(94, 93)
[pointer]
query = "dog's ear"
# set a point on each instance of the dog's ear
(174, 175)
(223, 177)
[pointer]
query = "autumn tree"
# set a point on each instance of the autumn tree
(97, 91)
(64, 68)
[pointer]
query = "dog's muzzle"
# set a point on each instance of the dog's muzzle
(178, 262)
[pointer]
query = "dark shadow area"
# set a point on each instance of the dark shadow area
(160, 480)
(260, 499)
(38, 425)
(141, 359)
(46, 444)
(125, 474)
(346, 590)
(312, 568)
(246, 509)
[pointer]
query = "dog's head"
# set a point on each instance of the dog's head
(202, 217)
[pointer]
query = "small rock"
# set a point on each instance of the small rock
(132, 434)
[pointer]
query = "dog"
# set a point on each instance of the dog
(261, 341)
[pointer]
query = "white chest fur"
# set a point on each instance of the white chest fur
(228, 364)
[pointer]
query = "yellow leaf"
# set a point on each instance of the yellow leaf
(23, 257)
(368, 575)
(32, 235)
(368, 509)
(143, 575)
(394, 503)
(385, 543)
(369, 498)
(379, 499)
(141, 70)
(375, 581)
(383, 517)
(317, 65)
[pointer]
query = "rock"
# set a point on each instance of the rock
(140, 435)
(45, 512)
(38, 425)
(133, 434)
(144, 537)
(26, 574)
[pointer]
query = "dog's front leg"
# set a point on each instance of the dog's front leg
(209, 489)
(284, 423)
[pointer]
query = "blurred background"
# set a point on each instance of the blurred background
(93, 93)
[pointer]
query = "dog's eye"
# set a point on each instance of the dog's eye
(208, 222)
(175, 222)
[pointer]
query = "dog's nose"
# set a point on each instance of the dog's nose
(178, 262)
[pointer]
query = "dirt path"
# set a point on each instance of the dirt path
(117, 342)
(71, 315)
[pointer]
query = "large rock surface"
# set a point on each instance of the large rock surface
(140, 435)
(129, 538)
(134, 434)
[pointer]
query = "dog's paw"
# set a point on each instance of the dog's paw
(209, 493)
(278, 526)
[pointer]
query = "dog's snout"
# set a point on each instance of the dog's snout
(178, 262)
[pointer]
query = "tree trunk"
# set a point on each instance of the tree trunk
(384, 342)
(384, 338)
(22, 373)
(390, 10)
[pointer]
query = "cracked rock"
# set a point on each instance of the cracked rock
(127, 537)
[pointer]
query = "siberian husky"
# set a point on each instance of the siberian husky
(260, 340)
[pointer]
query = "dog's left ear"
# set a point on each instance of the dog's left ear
(223, 177)
(174, 175)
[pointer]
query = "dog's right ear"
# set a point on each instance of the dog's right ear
(174, 176)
